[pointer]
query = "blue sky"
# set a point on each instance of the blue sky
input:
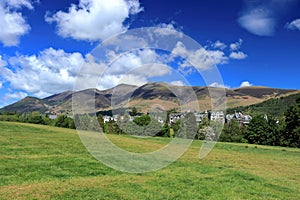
(46, 42)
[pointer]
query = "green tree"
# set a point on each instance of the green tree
(87, 122)
(36, 118)
(176, 126)
(61, 121)
(257, 130)
(232, 132)
(165, 131)
(188, 128)
(202, 128)
(263, 131)
(64, 122)
(292, 119)
(143, 120)
(112, 127)
(134, 111)
(100, 121)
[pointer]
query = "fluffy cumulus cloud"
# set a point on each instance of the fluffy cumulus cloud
(238, 55)
(134, 68)
(1, 85)
(94, 20)
(246, 84)
(13, 21)
(49, 72)
(294, 25)
(202, 58)
(219, 45)
(261, 17)
(205, 58)
(18, 3)
(236, 45)
(53, 71)
(168, 29)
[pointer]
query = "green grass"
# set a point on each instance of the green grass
(42, 162)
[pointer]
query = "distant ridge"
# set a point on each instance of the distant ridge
(144, 97)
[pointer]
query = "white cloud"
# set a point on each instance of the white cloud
(130, 79)
(246, 84)
(1, 85)
(218, 85)
(238, 55)
(133, 68)
(168, 29)
(13, 21)
(178, 83)
(202, 59)
(49, 72)
(261, 17)
(294, 25)
(219, 45)
(15, 95)
(3, 63)
(134, 62)
(94, 20)
(258, 22)
(53, 71)
(236, 45)
(18, 3)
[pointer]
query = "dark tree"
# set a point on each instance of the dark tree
(263, 131)
(188, 128)
(143, 120)
(292, 119)
(232, 132)
(257, 131)
(134, 111)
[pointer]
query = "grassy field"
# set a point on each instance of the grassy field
(42, 162)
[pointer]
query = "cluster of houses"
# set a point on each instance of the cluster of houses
(174, 117)
(213, 116)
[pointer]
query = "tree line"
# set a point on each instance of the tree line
(267, 131)
(260, 130)
(36, 118)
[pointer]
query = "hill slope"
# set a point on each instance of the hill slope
(274, 106)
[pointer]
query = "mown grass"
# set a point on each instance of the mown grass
(43, 162)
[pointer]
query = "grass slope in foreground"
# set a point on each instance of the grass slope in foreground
(42, 162)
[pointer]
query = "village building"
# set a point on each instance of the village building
(239, 117)
(174, 117)
(217, 116)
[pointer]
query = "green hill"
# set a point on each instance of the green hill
(275, 106)
(43, 162)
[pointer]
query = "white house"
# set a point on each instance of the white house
(217, 116)
(174, 117)
(239, 117)
(107, 118)
(200, 116)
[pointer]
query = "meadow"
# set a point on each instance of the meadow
(44, 162)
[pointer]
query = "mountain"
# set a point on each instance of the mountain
(146, 97)
(28, 104)
(263, 92)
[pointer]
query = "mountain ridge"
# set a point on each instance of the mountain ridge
(145, 96)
